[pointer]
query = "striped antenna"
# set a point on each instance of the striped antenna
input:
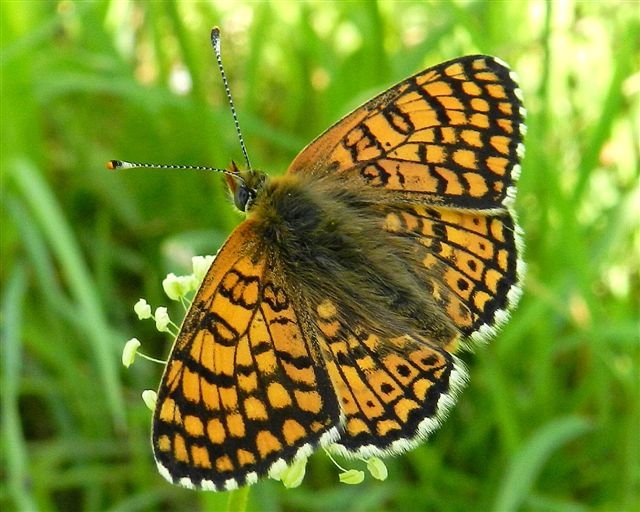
(123, 164)
(215, 42)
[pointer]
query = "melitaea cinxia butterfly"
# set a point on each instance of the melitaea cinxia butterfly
(331, 315)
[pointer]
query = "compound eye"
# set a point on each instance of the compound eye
(243, 197)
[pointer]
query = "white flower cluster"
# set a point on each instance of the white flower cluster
(177, 288)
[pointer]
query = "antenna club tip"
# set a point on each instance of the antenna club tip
(114, 164)
(215, 36)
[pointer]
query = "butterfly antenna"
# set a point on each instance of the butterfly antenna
(215, 42)
(123, 164)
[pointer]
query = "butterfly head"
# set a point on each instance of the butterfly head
(244, 186)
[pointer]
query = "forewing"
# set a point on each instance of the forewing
(452, 133)
(242, 393)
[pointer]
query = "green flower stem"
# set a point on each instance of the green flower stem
(238, 499)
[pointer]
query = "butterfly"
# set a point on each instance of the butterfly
(332, 315)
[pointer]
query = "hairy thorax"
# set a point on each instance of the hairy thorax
(331, 236)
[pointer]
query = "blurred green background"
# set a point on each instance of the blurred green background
(550, 420)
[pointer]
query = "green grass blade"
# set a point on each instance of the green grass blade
(14, 444)
(530, 460)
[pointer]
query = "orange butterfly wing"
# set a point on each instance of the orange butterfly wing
(444, 146)
(451, 133)
(243, 391)
(393, 391)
